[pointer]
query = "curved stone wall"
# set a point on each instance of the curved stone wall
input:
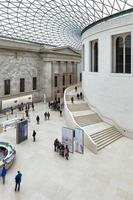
(111, 94)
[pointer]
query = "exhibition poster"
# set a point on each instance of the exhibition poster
(67, 138)
(79, 140)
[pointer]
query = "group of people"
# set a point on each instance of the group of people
(62, 149)
(23, 106)
(27, 108)
(46, 115)
(79, 95)
(56, 106)
(18, 178)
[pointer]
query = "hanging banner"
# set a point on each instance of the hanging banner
(67, 138)
(79, 140)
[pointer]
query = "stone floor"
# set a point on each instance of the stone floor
(47, 176)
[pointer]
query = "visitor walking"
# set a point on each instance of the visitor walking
(60, 113)
(48, 115)
(18, 179)
(62, 148)
(34, 136)
(28, 106)
(3, 174)
(81, 95)
(38, 119)
(66, 152)
(27, 113)
(72, 99)
(78, 96)
(32, 106)
(56, 143)
(45, 115)
(75, 88)
(11, 110)
(49, 104)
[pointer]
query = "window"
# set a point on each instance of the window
(128, 54)
(22, 85)
(70, 79)
(83, 57)
(63, 80)
(34, 83)
(7, 86)
(122, 53)
(119, 55)
(55, 81)
(94, 56)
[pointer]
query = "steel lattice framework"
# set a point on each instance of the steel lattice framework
(55, 22)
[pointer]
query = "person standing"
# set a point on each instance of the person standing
(11, 110)
(75, 88)
(60, 113)
(49, 104)
(18, 178)
(27, 113)
(32, 106)
(81, 95)
(56, 142)
(38, 119)
(48, 114)
(28, 106)
(34, 136)
(78, 96)
(66, 152)
(45, 115)
(72, 99)
(3, 174)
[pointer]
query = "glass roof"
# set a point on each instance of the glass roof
(55, 22)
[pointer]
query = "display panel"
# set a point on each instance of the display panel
(79, 140)
(21, 131)
(67, 138)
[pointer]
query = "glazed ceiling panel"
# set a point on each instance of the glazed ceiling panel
(55, 22)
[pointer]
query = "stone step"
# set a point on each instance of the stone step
(101, 146)
(82, 113)
(68, 97)
(108, 137)
(87, 120)
(108, 140)
(78, 107)
(105, 136)
(96, 128)
(104, 132)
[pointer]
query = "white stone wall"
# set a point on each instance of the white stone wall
(111, 94)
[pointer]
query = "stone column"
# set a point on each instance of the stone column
(74, 72)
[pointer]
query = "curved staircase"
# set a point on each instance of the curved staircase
(98, 134)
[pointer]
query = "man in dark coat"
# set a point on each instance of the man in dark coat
(18, 178)
(34, 136)
(45, 115)
(37, 119)
(48, 114)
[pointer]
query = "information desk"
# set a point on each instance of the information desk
(10, 123)
(7, 155)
